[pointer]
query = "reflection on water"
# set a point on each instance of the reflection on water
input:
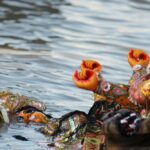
(42, 42)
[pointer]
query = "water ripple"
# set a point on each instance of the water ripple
(43, 42)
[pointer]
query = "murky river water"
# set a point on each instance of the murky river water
(43, 41)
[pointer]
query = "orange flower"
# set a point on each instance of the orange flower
(25, 116)
(86, 79)
(138, 57)
(37, 117)
(92, 65)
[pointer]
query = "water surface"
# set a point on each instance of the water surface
(43, 41)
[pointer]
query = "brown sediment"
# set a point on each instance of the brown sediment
(92, 141)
